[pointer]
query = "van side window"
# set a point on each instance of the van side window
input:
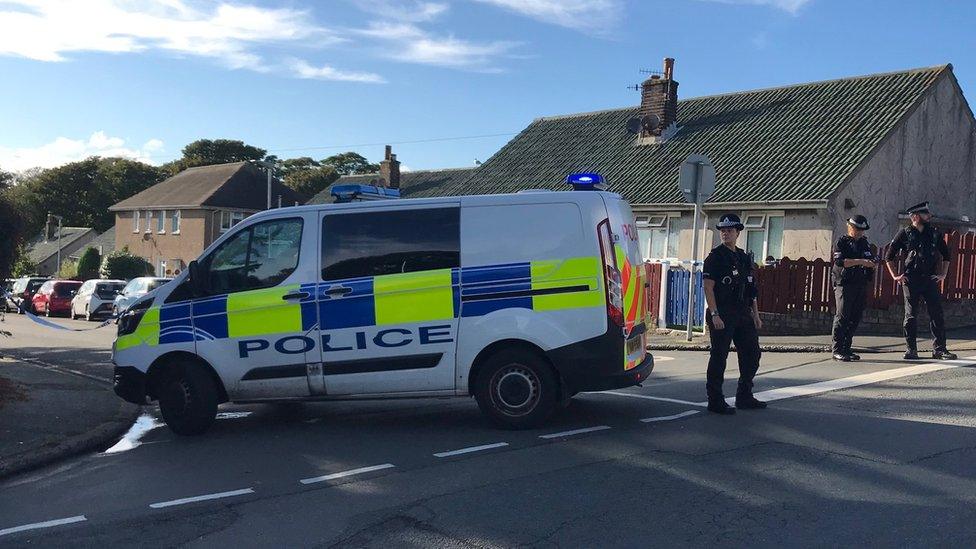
(400, 241)
(259, 256)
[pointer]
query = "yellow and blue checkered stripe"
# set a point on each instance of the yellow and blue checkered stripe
(378, 301)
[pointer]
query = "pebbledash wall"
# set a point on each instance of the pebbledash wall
(958, 314)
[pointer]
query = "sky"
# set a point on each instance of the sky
(446, 82)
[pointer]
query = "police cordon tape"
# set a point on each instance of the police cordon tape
(48, 324)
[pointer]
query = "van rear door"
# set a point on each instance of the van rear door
(630, 263)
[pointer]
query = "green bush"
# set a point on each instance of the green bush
(68, 270)
(121, 264)
(88, 264)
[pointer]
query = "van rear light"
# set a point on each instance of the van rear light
(615, 301)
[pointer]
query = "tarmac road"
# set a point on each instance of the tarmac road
(875, 453)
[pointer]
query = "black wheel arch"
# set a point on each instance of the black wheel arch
(170, 363)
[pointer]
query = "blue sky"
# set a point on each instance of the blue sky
(143, 78)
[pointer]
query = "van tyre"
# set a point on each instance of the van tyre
(517, 389)
(188, 401)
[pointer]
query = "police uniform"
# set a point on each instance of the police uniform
(735, 292)
(924, 250)
(850, 287)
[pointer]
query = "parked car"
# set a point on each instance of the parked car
(23, 291)
(95, 298)
(7, 302)
(54, 297)
(136, 288)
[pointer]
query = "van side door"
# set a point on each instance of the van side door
(388, 298)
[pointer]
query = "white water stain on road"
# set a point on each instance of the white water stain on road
(133, 438)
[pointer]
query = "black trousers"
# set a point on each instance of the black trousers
(927, 289)
(739, 328)
(850, 307)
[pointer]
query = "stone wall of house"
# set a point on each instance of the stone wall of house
(931, 156)
(875, 321)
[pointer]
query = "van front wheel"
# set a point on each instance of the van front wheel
(516, 389)
(188, 401)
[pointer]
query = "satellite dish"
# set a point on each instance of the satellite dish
(634, 125)
(650, 122)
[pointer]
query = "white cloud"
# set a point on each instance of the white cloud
(51, 30)
(412, 11)
(63, 150)
(594, 15)
(303, 69)
(790, 6)
(412, 44)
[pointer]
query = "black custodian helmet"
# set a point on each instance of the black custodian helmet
(729, 221)
(859, 222)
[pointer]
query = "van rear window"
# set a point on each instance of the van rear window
(376, 243)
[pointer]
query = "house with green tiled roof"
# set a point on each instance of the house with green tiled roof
(794, 161)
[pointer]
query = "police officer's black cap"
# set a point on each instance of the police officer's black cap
(859, 222)
(922, 208)
(729, 221)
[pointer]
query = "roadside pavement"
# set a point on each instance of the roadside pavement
(959, 340)
(48, 415)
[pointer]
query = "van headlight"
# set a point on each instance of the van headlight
(130, 319)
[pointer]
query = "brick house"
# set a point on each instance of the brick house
(43, 250)
(794, 162)
(172, 222)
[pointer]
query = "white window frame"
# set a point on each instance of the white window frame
(149, 217)
(232, 217)
(657, 221)
(176, 218)
(161, 222)
(135, 221)
(761, 226)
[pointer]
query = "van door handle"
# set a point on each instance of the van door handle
(338, 290)
(296, 295)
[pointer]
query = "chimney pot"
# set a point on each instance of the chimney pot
(659, 97)
(390, 170)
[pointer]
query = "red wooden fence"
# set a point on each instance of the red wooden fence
(804, 285)
(652, 281)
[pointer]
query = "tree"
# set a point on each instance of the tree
(123, 265)
(293, 165)
(6, 180)
(68, 269)
(12, 241)
(310, 182)
(81, 192)
(204, 152)
(349, 163)
(88, 264)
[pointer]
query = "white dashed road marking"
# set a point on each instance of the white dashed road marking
(669, 418)
(649, 397)
(349, 473)
(470, 449)
(206, 497)
(576, 432)
(39, 525)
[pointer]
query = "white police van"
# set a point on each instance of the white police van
(521, 300)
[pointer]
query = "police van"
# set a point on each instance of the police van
(520, 300)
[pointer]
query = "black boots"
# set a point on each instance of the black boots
(720, 407)
(749, 403)
(843, 357)
(911, 354)
(944, 355)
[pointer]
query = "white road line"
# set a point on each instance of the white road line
(576, 432)
(348, 473)
(232, 415)
(206, 497)
(649, 397)
(470, 449)
(855, 381)
(669, 418)
(662, 358)
(39, 525)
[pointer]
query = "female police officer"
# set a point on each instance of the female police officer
(732, 315)
(852, 271)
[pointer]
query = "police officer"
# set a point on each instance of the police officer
(732, 316)
(852, 272)
(926, 265)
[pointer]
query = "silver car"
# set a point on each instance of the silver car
(136, 288)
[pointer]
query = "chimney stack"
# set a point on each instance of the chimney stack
(50, 230)
(659, 97)
(390, 169)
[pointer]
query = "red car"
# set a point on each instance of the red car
(54, 297)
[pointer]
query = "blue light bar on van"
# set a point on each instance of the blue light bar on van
(354, 193)
(586, 181)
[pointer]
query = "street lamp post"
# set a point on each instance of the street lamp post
(269, 166)
(57, 268)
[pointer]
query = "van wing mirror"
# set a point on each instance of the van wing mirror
(199, 281)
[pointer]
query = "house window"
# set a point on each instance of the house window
(135, 221)
(174, 222)
(148, 214)
(659, 235)
(764, 236)
(161, 221)
(229, 219)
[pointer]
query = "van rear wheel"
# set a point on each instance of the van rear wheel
(517, 389)
(188, 401)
